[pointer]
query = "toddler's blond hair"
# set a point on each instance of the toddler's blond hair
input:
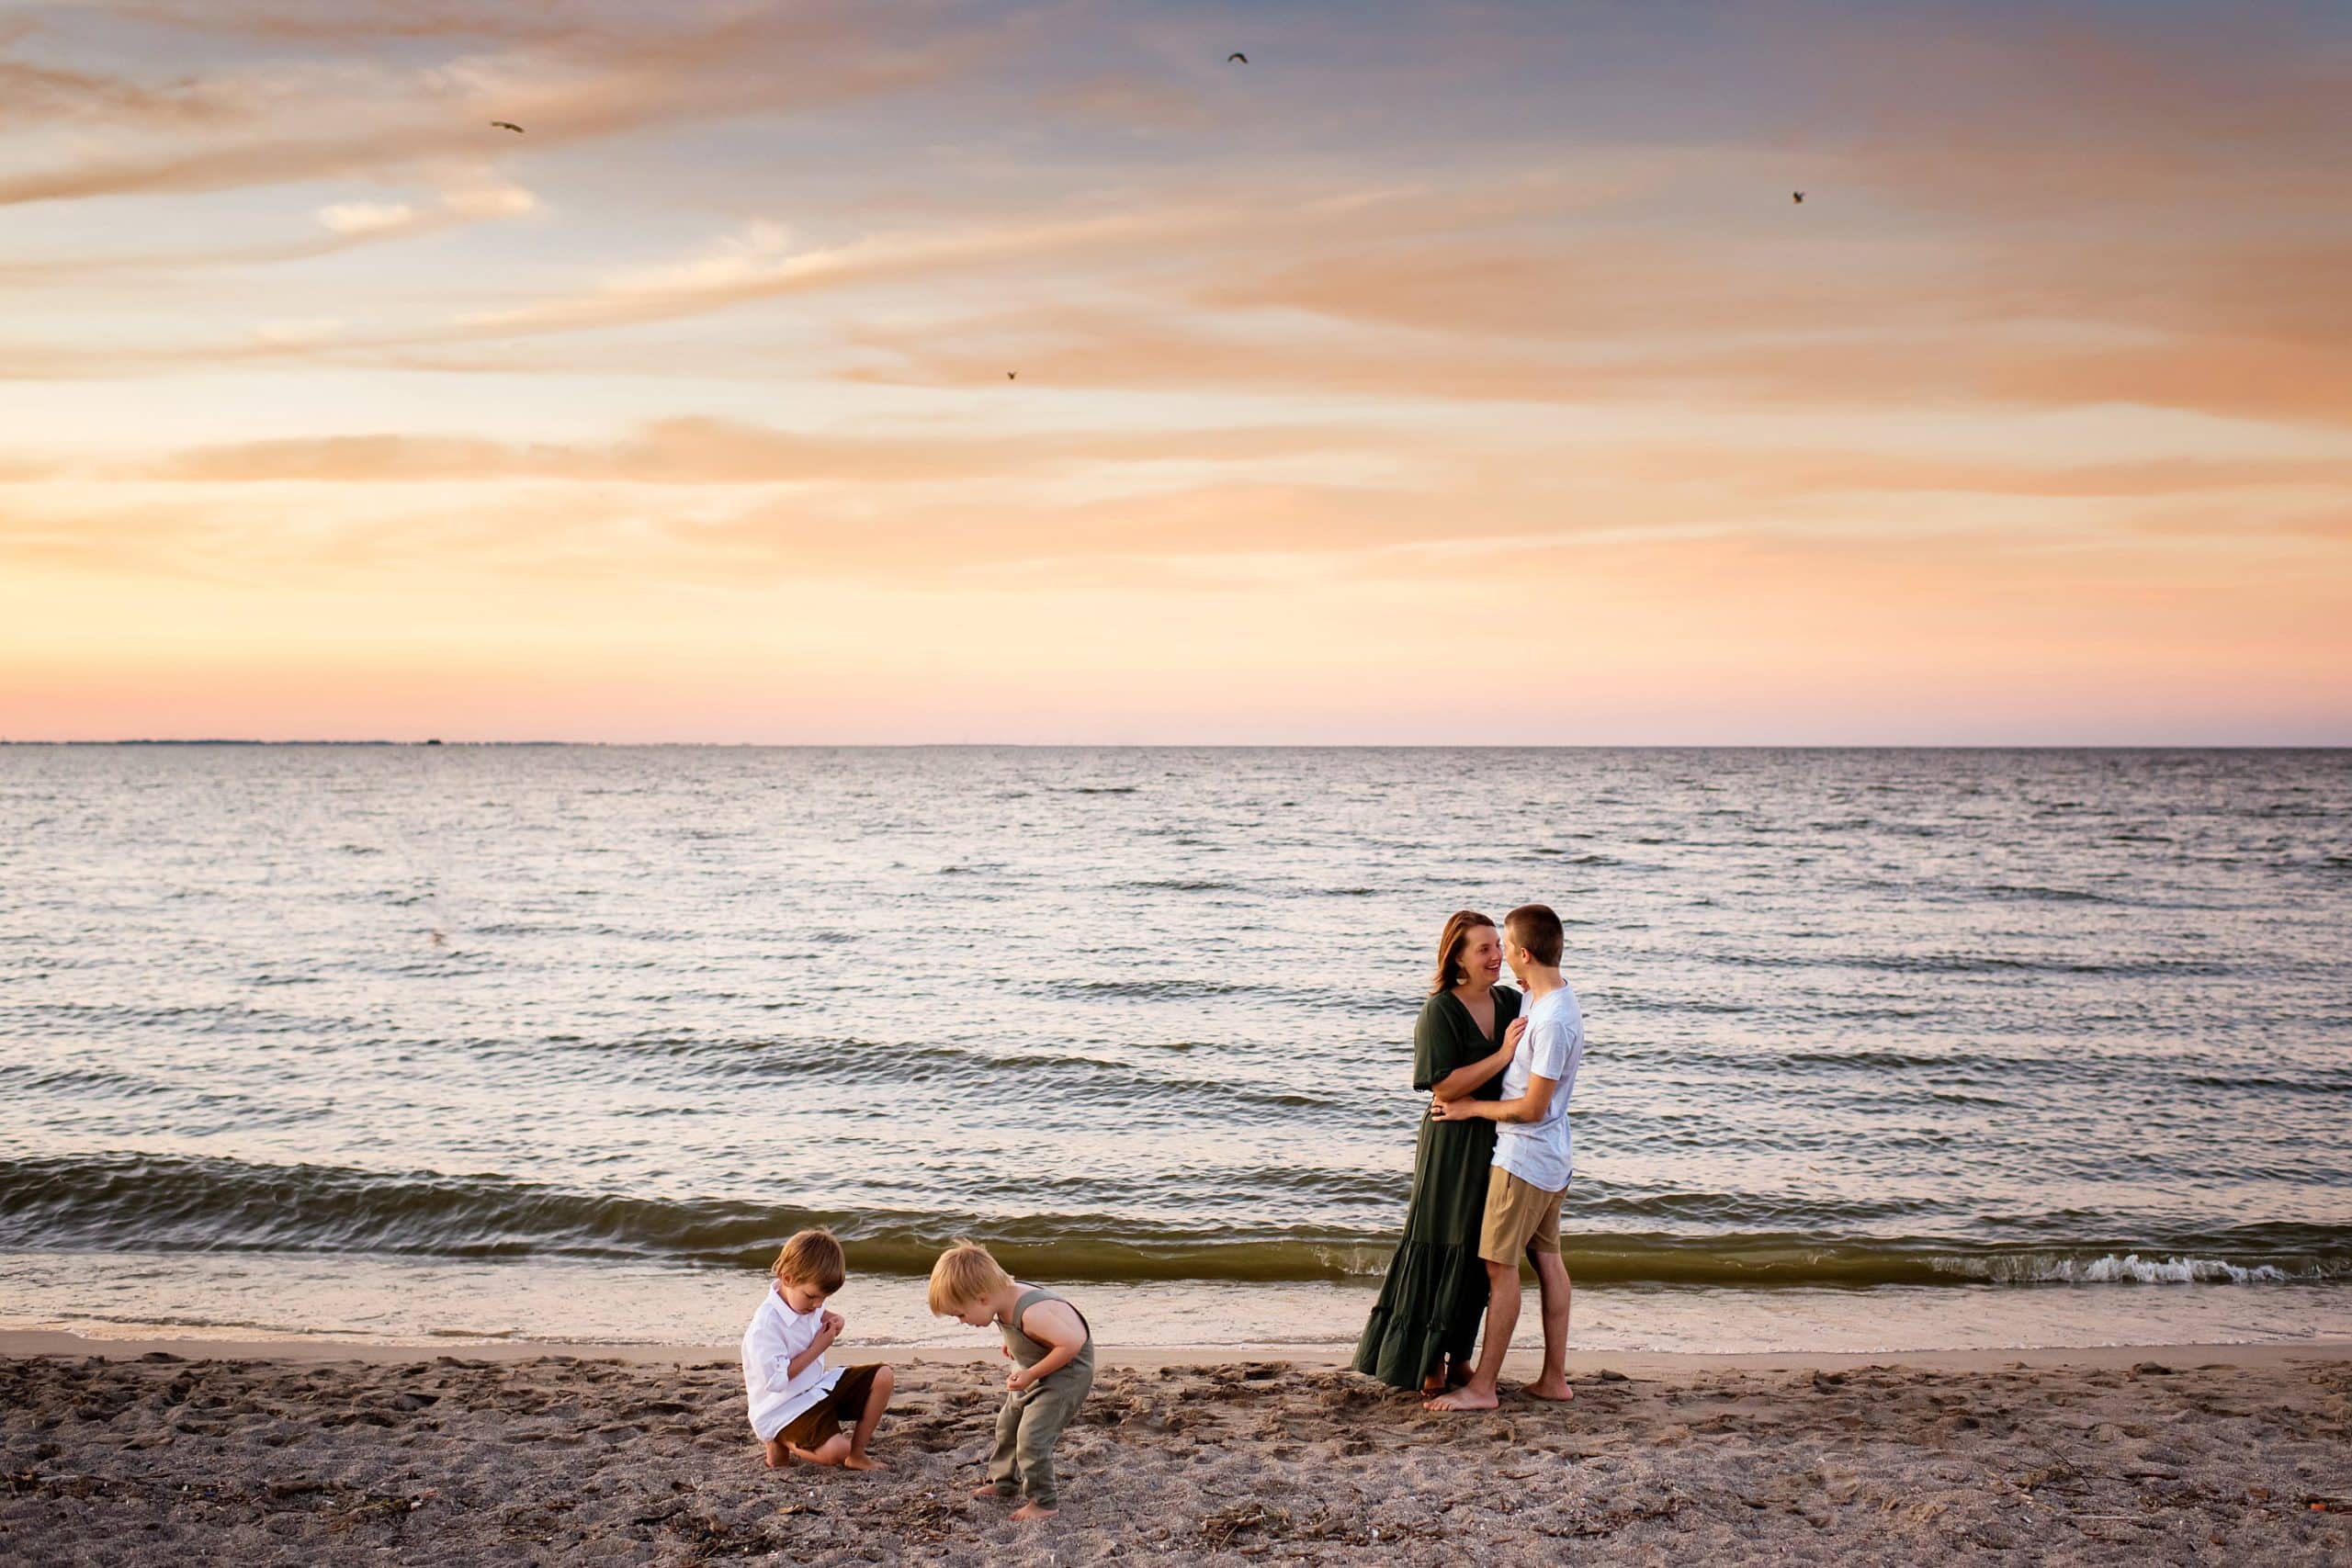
(964, 1276)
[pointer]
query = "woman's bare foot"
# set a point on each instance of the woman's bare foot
(1465, 1398)
(863, 1462)
(1557, 1391)
(1032, 1509)
(990, 1490)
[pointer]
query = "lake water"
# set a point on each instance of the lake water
(384, 1040)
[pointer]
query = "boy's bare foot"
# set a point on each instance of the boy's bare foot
(1464, 1399)
(1032, 1509)
(1558, 1392)
(863, 1462)
(990, 1490)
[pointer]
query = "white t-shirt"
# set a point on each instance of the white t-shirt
(777, 1333)
(1541, 1153)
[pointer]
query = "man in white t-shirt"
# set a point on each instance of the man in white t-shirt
(1533, 1158)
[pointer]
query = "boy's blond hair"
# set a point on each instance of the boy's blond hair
(964, 1276)
(813, 1258)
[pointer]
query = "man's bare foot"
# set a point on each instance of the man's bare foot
(1032, 1509)
(1465, 1398)
(990, 1490)
(863, 1462)
(1558, 1392)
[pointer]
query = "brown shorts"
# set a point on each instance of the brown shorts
(1522, 1218)
(846, 1402)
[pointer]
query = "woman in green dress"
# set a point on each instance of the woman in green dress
(1424, 1332)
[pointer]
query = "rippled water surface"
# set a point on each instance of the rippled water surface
(1855, 1017)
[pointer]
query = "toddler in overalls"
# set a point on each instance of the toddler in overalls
(1053, 1354)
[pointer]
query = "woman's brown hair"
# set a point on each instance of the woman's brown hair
(1450, 943)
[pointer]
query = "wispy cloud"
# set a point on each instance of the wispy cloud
(761, 263)
(329, 21)
(365, 217)
(283, 123)
(467, 197)
(32, 94)
(721, 452)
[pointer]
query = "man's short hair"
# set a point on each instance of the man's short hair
(964, 1277)
(1535, 928)
(813, 1258)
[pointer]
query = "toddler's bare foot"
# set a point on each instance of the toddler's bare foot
(776, 1455)
(1556, 1390)
(1033, 1509)
(863, 1462)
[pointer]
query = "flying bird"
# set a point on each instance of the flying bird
(1236, 55)
(1011, 375)
(1797, 197)
(505, 125)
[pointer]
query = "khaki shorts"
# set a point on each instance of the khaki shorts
(845, 1401)
(1522, 1218)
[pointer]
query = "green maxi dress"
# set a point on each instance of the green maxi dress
(1436, 1289)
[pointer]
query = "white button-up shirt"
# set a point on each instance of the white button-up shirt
(778, 1334)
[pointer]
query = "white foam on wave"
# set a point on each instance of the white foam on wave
(2130, 1268)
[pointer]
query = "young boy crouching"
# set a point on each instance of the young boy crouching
(798, 1403)
(1053, 1354)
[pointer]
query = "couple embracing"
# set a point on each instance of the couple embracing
(1492, 1165)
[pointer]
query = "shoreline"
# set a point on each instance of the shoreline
(346, 1299)
(17, 1344)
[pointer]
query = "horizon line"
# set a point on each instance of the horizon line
(1235, 745)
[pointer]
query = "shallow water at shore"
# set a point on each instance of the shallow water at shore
(400, 1300)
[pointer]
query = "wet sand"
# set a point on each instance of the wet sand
(137, 1453)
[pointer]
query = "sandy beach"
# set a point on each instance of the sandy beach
(132, 1452)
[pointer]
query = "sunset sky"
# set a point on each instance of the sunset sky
(1443, 373)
